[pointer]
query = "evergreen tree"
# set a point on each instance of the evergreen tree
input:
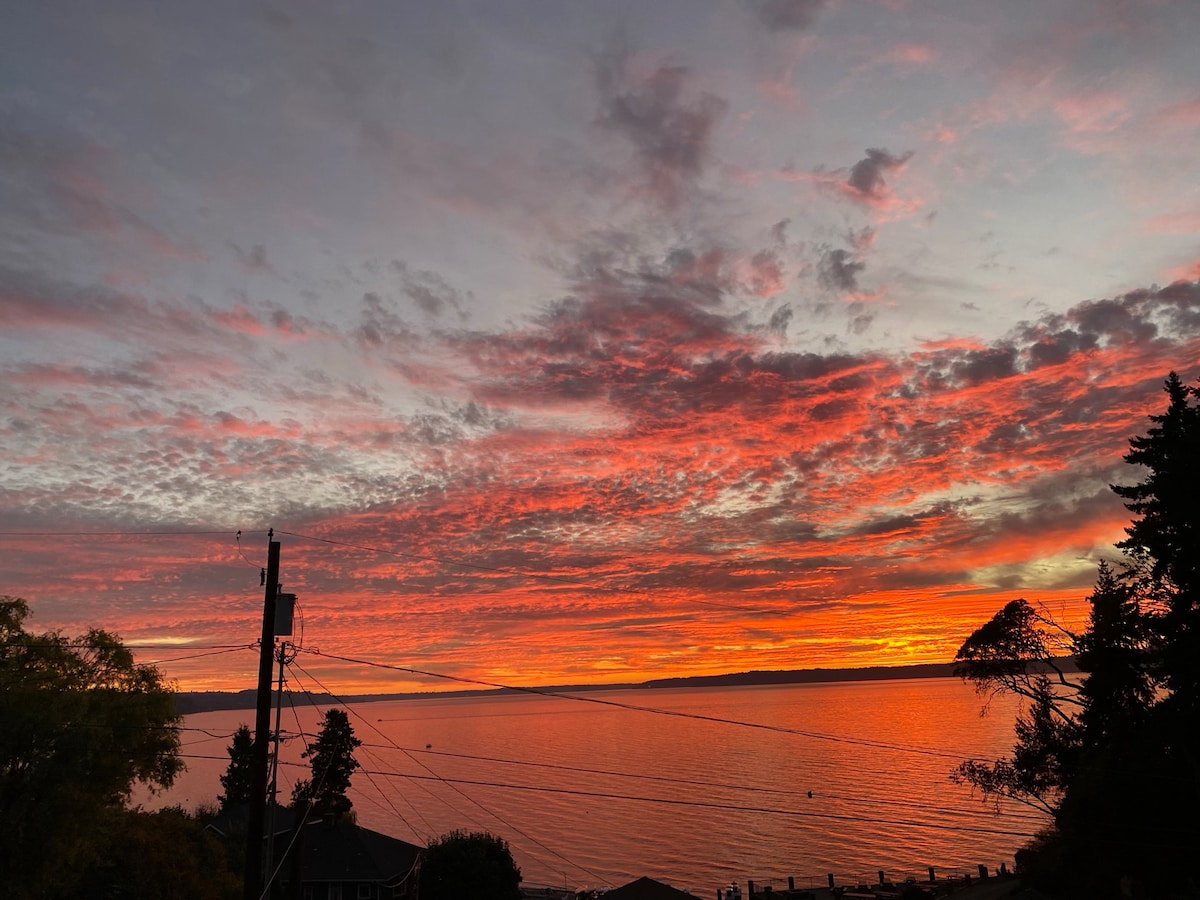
(332, 759)
(1164, 540)
(239, 775)
(1114, 755)
(1118, 690)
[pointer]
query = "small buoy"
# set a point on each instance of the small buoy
(427, 746)
(810, 795)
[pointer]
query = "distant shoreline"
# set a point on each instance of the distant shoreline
(188, 702)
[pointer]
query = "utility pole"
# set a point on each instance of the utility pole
(252, 885)
(285, 654)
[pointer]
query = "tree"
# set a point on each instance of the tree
(1019, 651)
(166, 855)
(1163, 540)
(82, 724)
(474, 865)
(239, 775)
(1113, 755)
(333, 762)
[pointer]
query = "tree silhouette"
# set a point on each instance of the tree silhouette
(1164, 539)
(474, 865)
(332, 759)
(1113, 754)
(239, 775)
(81, 724)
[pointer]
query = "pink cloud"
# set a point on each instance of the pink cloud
(1174, 223)
(1178, 115)
(1098, 112)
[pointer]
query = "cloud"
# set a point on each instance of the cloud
(838, 271)
(787, 15)
(866, 182)
(669, 132)
(63, 183)
(254, 259)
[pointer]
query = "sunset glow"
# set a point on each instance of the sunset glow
(575, 343)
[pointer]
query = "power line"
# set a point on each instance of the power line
(172, 659)
(300, 729)
(120, 533)
(40, 642)
(307, 747)
(313, 702)
(691, 782)
(673, 801)
(709, 804)
(542, 692)
(449, 783)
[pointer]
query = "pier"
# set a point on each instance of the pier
(982, 884)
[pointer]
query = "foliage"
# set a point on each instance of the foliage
(1113, 755)
(82, 724)
(1164, 540)
(332, 759)
(167, 855)
(238, 777)
(462, 865)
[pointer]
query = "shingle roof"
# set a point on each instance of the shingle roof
(343, 851)
(647, 889)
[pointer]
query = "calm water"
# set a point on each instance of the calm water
(588, 794)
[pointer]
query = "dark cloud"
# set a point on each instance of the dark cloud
(381, 322)
(254, 259)
(1133, 319)
(1059, 347)
(1180, 306)
(780, 319)
(979, 366)
(866, 179)
(432, 294)
(670, 133)
(1127, 326)
(787, 15)
(838, 271)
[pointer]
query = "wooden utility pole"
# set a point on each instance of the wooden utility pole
(252, 887)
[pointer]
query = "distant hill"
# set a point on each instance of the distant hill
(188, 702)
(807, 676)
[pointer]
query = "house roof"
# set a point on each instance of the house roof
(235, 819)
(343, 851)
(647, 889)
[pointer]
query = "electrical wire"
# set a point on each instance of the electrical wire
(157, 662)
(690, 782)
(616, 704)
(399, 815)
(430, 793)
(436, 777)
(674, 801)
(237, 538)
(36, 643)
(117, 533)
(450, 783)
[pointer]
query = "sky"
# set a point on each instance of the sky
(580, 342)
